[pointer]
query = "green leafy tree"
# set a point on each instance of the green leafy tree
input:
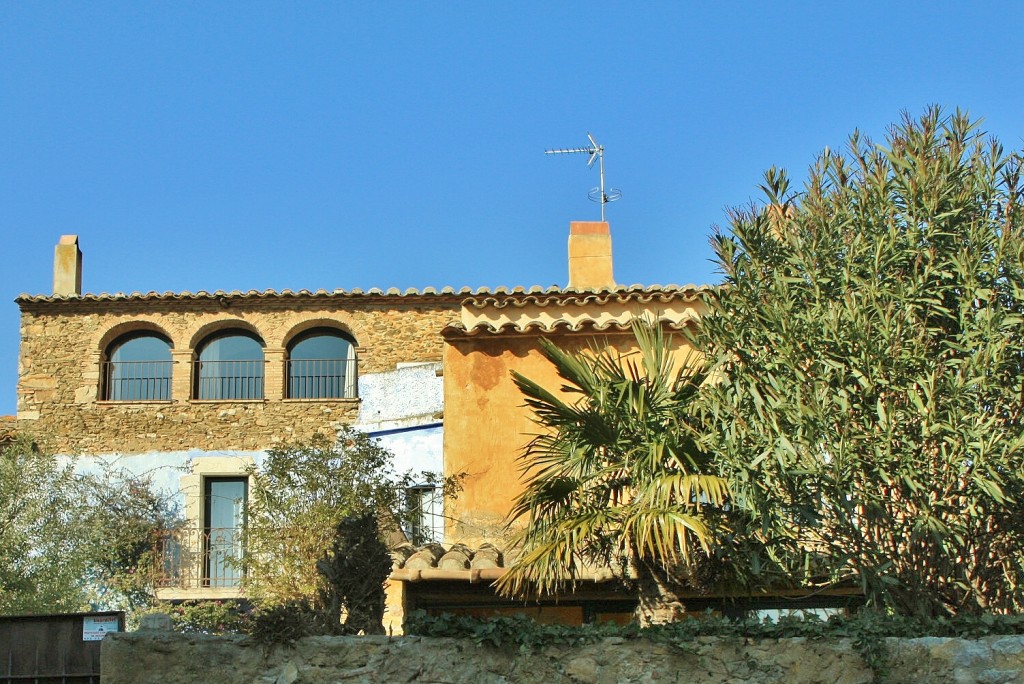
(616, 479)
(300, 495)
(354, 571)
(868, 354)
(73, 541)
(127, 519)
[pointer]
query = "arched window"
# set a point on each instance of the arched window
(230, 366)
(138, 368)
(321, 365)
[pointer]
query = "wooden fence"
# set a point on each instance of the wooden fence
(52, 649)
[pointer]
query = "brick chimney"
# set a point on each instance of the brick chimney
(590, 256)
(67, 267)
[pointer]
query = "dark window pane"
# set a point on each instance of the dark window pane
(321, 365)
(225, 516)
(232, 348)
(230, 367)
(323, 346)
(138, 368)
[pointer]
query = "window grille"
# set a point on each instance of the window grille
(137, 380)
(321, 378)
(229, 379)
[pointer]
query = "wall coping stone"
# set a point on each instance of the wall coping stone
(172, 658)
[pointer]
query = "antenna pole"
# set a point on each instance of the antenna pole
(596, 153)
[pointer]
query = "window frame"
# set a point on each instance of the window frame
(108, 368)
(424, 506)
(258, 380)
(230, 547)
(347, 380)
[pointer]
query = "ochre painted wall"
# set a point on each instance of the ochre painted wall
(487, 425)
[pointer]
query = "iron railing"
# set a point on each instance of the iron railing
(229, 379)
(137, 380)
(194, 558)
(321, 378)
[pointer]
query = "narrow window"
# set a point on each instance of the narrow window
(230, 366)
(223, 519)
(138, 368)
(321, 365)
(424, 519)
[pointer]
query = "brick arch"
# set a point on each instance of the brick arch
(303, 323)
(207, 329)
(108, 336)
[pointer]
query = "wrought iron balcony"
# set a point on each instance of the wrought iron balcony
(137, 380)
(200, 558)
(229, 379)
(321, 378)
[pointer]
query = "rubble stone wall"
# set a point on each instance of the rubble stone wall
(169, 658)
(63, 345)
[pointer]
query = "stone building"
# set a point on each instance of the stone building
(194, 387)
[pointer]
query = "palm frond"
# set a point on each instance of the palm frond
(616, 471)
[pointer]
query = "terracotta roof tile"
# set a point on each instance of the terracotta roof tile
(458, 330)
(457, 562)
(479, 297)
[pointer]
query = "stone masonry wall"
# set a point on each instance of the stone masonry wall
(63, 344)
(168, 658)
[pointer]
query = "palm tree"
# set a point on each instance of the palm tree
(616, 479)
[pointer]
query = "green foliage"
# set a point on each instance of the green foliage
(616, 478)
(73, 541)
(127, 518)
(209, 617)
(284, 623)
(868, 354)
(867, 630)
(522, 632)
(40, 523)
(301, 493)
(515, 631)
(354, 571)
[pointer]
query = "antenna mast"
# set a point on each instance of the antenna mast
(596, 152)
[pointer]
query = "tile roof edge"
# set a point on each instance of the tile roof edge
(447, 291)
(589, 326)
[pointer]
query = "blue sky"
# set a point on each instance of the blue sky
(341, 145)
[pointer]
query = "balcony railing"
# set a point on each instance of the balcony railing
(321, 378)
(207, 558)
(229, 379)
(137, 380)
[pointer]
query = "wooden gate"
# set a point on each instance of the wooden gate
(54, 649)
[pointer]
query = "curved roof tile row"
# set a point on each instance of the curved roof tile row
(635, 293)
(482, 294)
(455, 557)
(539, 327)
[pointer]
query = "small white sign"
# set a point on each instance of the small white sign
(95, 626)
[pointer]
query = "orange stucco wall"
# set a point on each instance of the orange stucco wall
(487, 425)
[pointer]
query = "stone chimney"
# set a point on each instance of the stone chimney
(67, 267)
(590, 256)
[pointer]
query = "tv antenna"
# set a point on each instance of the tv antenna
(596, 152)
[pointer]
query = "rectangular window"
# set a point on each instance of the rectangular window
(223, 519)
(425, 521)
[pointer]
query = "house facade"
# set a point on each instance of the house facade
(193, 388)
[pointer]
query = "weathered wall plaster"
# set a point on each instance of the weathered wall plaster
(487, 424)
